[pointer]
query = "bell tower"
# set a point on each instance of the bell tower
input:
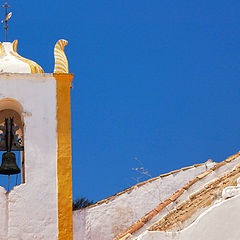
(35, 122)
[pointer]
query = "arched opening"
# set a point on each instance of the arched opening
(11, 121)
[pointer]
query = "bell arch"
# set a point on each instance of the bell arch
(12, 110)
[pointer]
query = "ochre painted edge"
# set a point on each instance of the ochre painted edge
(64, 156)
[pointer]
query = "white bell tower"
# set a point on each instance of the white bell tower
(41, 206)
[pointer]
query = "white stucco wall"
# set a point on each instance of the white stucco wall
(219, 222)
(105, 221)
(3, 213)
(32, 207)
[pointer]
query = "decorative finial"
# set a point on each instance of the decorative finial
(61, 62)
(7, 17)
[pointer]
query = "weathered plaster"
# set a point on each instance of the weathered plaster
(191, 191)
(231, 191)
(32, 209)
(3, 214)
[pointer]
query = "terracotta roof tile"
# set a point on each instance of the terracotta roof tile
(149, 216)
(190, 183)
(126, 237)
(204, 174)
(197, 165)
(162, 205)
(177, 194)
(186, 168)
(136, 226)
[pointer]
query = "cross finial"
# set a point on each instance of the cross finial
(7, 17)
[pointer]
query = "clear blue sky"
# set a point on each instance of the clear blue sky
(156, 80)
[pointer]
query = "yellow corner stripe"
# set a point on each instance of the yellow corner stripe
(64, 159)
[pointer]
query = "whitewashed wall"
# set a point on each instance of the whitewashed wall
(105, 221)
(219, 222)
(3, 213)
(32, 207)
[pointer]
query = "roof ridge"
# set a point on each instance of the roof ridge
(142, 221)
(145, 182)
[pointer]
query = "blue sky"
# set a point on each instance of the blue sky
(154, 80)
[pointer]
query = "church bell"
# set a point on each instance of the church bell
(9, 164)
(9, 141)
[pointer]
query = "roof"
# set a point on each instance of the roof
(202, 197)
(145, 182)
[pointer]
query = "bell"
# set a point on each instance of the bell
(9, 164)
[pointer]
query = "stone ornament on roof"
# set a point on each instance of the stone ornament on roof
(12, 62)
(61, 62)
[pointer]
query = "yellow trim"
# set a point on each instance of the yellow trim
(59, 69)
(64, 157)
(59, 63)
(15, 45)
(2, 53)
